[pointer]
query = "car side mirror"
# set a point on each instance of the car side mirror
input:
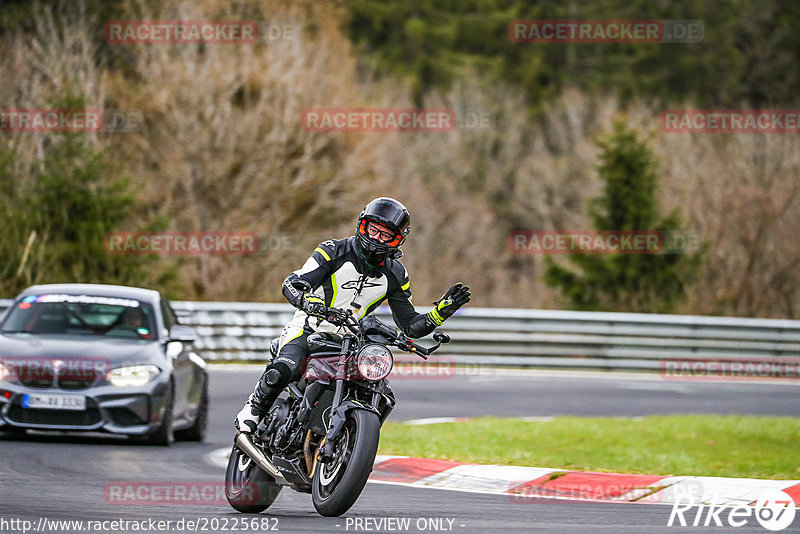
(182, 333)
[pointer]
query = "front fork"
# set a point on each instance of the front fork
(339, 409)
(341, 369)
(338, 414)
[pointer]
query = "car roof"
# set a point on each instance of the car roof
(96, 290)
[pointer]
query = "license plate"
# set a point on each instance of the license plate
(54, 402)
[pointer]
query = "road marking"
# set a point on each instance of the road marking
(219, 457)
(236, 367)
(434, 420)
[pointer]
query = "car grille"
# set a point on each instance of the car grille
(43, 379)
(37, 416)
(67, 379)
(77, 380)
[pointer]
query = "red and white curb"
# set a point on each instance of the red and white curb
(523, 484)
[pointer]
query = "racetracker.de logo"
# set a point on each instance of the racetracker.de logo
(50, 120)
(605, 31)
(403, 368)
(182, 243)
(526, 492)
(378, 120)
(180, 32)
(44, 370)
(175, 493)
(70, 120)
(602, 242)
(731, 121)
(743, 369)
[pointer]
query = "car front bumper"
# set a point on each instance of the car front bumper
(118, 410)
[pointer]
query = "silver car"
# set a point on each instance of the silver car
(90, 357)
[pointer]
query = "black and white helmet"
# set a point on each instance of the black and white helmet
(382, 227)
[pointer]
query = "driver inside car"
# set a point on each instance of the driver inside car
(132, 317)
(354, 274)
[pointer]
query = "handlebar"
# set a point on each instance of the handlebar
(404, 342)
(349, 321)
(407, 344)
(398, 339)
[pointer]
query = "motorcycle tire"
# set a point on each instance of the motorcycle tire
(248, 488)
(338, 483)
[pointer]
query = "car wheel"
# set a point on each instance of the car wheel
(197, 431)
(164, 436)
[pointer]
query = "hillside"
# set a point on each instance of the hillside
(222, 147)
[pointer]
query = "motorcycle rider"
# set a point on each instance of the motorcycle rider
(356, 273)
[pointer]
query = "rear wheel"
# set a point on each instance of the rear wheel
(247, 487)
(338, 483)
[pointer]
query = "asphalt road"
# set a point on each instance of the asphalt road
(44, 478)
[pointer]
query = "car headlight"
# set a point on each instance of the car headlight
(374, 362)
(135, 375)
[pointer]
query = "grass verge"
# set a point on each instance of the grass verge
(726, 446)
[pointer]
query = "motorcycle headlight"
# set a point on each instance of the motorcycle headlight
(134, 375)
(374, 362)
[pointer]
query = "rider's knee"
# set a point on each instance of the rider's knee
(277, 374)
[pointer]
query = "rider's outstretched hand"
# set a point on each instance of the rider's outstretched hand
(456, 296)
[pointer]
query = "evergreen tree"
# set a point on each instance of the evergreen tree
(747, 54)
(626, 282)
(56, 217)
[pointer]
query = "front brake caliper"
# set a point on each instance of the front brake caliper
(338, 419)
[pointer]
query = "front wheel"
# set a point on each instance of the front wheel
(247, 487)
(338, 483)
(163, 436)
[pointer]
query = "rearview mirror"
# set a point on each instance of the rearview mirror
(441, 337)
(182, 333)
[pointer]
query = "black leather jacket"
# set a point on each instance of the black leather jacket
(337, 272)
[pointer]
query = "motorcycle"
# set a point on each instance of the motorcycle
(322, 437)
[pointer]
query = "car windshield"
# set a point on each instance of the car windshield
(81, 315)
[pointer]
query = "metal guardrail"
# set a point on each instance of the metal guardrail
(528, 338)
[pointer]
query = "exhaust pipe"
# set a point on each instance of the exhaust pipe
(245, 443)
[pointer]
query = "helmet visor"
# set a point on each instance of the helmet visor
(380, 233)
(388, 212)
